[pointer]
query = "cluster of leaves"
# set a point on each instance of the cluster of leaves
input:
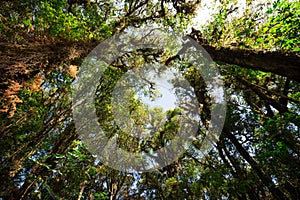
(259, 28)
(281, 30)
(55, 18)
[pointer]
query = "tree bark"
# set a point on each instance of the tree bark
(266, 180)
(280, 62)
(60, 147)
(284, 64)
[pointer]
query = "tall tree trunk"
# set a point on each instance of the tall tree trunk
(235, 173)
(40, 171)
(266, 180)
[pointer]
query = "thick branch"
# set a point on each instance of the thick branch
(286, 64)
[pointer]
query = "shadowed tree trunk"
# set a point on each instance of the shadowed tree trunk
(266, 180)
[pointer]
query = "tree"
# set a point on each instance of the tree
(42, 46)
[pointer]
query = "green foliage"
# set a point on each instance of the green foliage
(42, 156)
(53, 18)
(282, 28)
(275, 29)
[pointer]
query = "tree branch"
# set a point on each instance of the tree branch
(283, 63)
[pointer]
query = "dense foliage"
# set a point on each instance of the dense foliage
(43, 43)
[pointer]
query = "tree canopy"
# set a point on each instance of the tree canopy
(43, 44)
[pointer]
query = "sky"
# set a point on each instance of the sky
(208, 8)
(167, 97)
